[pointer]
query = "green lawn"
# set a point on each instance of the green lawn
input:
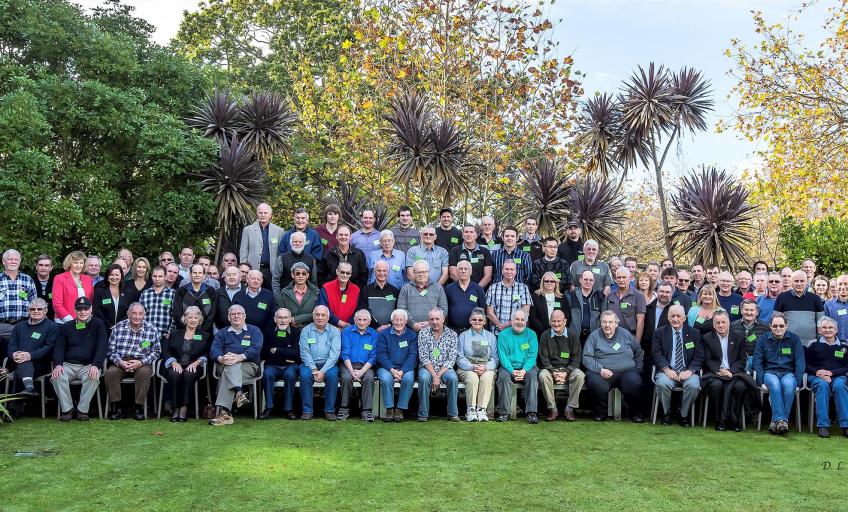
(295, 465)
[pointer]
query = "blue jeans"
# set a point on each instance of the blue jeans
(331, 387)
(273, 373)
(387, 388)
(425, 380)
(839, 388)
(781, 394)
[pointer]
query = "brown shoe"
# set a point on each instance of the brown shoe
(241, 399)
(398, 415)
(306, 416)
(223, 418)
(81, 416)
(569, 414)
(66, 416)
(552, 414)
(330, 416)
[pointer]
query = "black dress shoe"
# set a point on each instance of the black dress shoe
(117, 413)
(139, 414)
(684, 421)
(182, 420)
(824, 432)
(720, 427)
(637, 419)
(175, 419)
(666, 420)
(600, 417)
(290, 415)
(737, 428)
(265, 414)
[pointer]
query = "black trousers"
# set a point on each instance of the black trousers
(31, 369)
(181, 387)
(266, 276)
(722, 393)
(628, 381)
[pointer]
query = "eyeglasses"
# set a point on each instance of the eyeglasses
(478, 319)
(37, 309)
(343, 272)
(683, 280)
(548, 281)
(774, 281)
(428, 234)
(778, 327)
(302, 273)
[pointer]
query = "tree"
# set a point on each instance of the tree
(824, 241)
(793, 97)
(654, 108)
(94, 153)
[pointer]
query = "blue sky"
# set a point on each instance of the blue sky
(609, 38)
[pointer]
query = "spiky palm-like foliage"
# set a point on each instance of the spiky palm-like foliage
(713, 217)
(429, 152)
(218, 116)
(352, 204)
(236, 182)
(547, 198)
(266, 124)
(598, 207)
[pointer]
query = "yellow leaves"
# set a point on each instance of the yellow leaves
(400, 74)
(347, 44)
(358, 35)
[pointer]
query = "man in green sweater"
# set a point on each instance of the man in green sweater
(517, 351)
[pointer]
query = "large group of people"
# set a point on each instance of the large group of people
(370, 313)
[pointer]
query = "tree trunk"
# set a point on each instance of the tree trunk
(658, 165)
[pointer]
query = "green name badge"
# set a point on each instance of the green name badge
(475, 260)
(558, 275)
(262, 306)
(376, 243)
(525, 346)
(454, 240)
(840, 354)
(36, 335)
(842, 312)
(491, 243)
(436, 352)
(787, 351)
(484, 343)
(22, 294)
(596, 270)
(206, 302)
(424, 292)
(106, 301)
(390, 297)
(556, 304)
(624, 305)
(50, 295)
(311, 341)
(198, 337)
(412, 241)
(580, 257)
(473, 298)
(367, 347)
(526, 248)
(734, 310)
(564, 355)
(396, 268)
(324, 241)
(616, 346)
(751, 338)
(699, 320)
(145, 344)
(677, 303)
(166, 302)
(245, 343)
(282, 334)
(516, 297)
(689, 345)
(80, 325)
(517, 261)
(273, 240)
(403, 344)
(344, 298)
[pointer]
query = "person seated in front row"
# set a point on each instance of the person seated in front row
(133, 347)
(779, 366)
(358, 355)
(678, 356)
(517, 352)
(477, 362)
(724, 372)
(320, 347)
(613, 358)
(397, 356)
(236, 349)
(185, 352)
(437, 355)
(559, 360)
(31, 347)
(281, 353)
(827, 366)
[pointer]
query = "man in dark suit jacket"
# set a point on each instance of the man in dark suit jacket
(678, 356)
(724, 357)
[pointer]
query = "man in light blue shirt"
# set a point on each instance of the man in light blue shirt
(435, 256)
(395, 259)
(320, 347)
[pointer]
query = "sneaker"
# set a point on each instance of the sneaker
(503, 418)
(422, 419)
(398, 415)
(344, 413)
(772, 428)
(306, 416)
(290, 415)
(532, 418)
(367, 416)
(29, 391)
(482, 415)
(265, 414)
(471, 415)
(241, 399)
(782, 427)
(330, 416)
(453, 418)
(223, 418)
(824, 432)
(390, 416)
(66, 416)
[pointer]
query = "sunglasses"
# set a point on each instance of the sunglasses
(343, 273)
(428, 234)
(37, 309)
(549, 281)
(775, 281)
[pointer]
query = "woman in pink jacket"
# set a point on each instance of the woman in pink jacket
(69, 286)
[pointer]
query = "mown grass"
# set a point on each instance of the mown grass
(318, 465)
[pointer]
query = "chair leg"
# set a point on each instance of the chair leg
(43, 401)
(513, 408)
(196, 401)
(255, 400)
(811, 412)
(706, 410)
(760, 415)
(161, 394)
(99, 404)
(654, 406)
(798, 410)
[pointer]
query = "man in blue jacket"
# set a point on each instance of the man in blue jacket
(359, 355)
(236, 349)
(31, 346)
(779, 364)
(313, 239)
(397, 356)
(320, 347)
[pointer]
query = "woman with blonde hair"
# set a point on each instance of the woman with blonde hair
(701, 316)
(71, 285)
(547, 299)
(646, 285)
(139, 279)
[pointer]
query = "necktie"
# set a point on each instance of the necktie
(679, 364)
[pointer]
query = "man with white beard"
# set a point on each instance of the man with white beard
(282, 270)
